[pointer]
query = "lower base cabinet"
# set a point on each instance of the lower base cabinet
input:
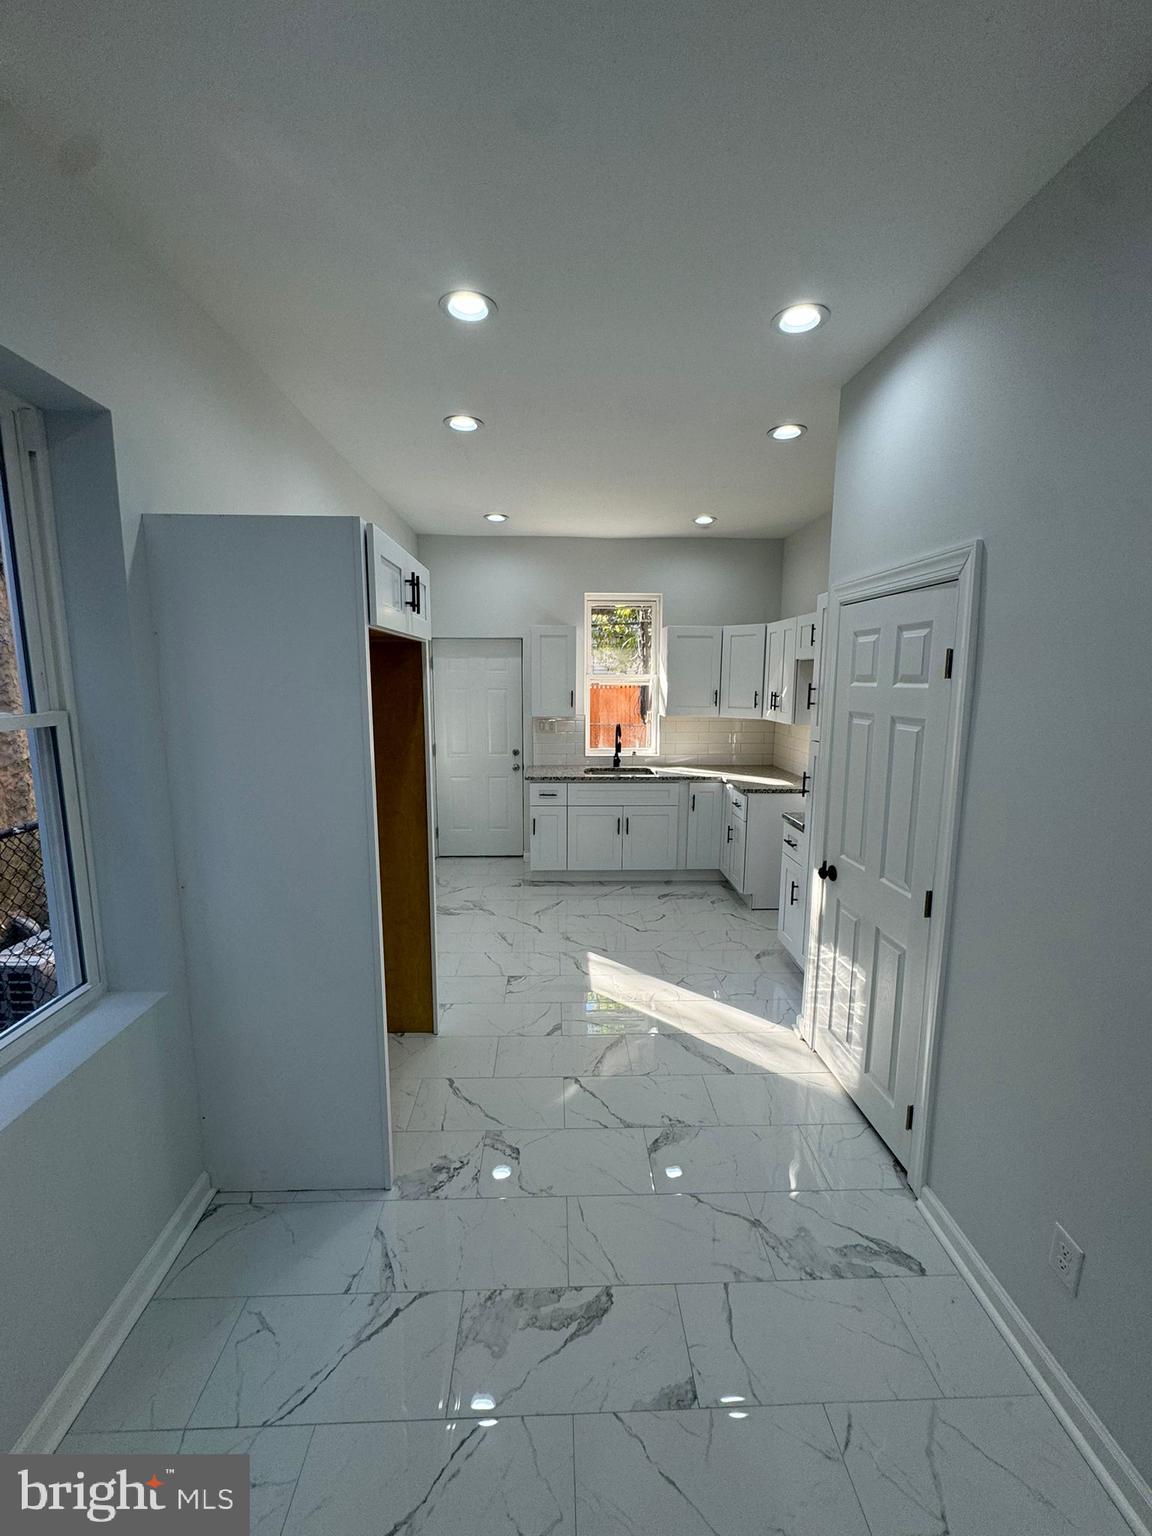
(651, 836)
(595, 837)
(548, 848)
(705, 825)
(793, 904)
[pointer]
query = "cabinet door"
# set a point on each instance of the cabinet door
(416, 599)
(806, 637)
(548, 848)
(742, 671)
(387, 567)
(780, 673)
(595, 836)
(732, 852)
(792, 884)
(705, 820)
(651, 836)
(692, 669)
(553, 670)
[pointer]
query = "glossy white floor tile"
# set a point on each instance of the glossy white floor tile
(425, 1245)
(275, 1249)
(564, 1163)
(801, 1341)
(644, 1269)
(333, 1360)
(576, 1350)
(706, 1159)
(975, 1467)
(512, 1477)
(162, 1366)
(712, 1474)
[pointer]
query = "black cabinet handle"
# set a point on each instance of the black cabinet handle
(549, 794)
(572, 698)
(792, 894)
(413, 581)
(729, 837)
(533, 826)
(803, 783)
(792, 843)
(756, 699)
(626, 825)
(811, 691)
(693, 805)
(715, 695)
(617, 826)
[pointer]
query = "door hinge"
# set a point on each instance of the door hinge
(927, 903)
(908, 1117)
(948, 662)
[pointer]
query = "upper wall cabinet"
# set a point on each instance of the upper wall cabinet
(398, 587)
(553, 670)
(742, 671)
(806, 627)
(692, 656)
(780, 673)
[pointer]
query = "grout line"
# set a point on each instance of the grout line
(847, 1469)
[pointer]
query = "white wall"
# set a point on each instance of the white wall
(1018, 408)
(94, 1166)
(805, 570)
(501, 584)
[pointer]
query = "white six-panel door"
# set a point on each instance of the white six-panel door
(885, 765)
(478, 699)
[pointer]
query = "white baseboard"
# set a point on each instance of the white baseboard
(1124, 1484)
(72, 1391)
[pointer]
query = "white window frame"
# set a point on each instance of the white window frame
(41, 623)
(591, 600)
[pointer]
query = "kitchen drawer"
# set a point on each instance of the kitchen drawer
(737, 804)
(795, 843)
(618, 793)
(548, 794)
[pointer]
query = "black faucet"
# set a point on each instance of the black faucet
(616, 754)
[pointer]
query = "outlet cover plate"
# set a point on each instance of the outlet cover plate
(1066, 1257)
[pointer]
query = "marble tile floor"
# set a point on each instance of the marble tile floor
(643, 1271)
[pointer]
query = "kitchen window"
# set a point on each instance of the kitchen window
(621, 667)
(47, 945)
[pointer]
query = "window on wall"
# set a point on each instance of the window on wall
(46, 920)
(621, 665)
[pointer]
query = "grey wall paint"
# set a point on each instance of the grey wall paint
(805, 573)
(94, 1170)
(1018, 408)
(502, 585)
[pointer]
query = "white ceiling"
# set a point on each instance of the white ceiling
(640, 184)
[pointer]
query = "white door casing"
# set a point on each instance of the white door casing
(478, 700)
(884, 761)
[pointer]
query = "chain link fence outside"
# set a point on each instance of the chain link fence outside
(27, 961)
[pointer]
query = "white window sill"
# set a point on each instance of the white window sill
(38, 1068)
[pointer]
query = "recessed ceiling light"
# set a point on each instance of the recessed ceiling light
(483, 1403)
(488, 1423)
(468, 305)
(674, 1172)
(495, 517)
(738, 1414)
(787, 431)
(463, 423)
(704, 520)
(732, 1397)
(501, 1171)
(798, 318)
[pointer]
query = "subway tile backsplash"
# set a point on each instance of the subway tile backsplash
(683, 739)
(791, 747)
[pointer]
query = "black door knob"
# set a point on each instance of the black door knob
(831, 871)
(823, 870)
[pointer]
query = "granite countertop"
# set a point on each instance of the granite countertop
(753, 779)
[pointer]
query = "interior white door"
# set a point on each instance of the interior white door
(477, 692)
(884, 754)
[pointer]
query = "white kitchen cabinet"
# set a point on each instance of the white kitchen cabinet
(742, 671)
(806, 626)
(793, 894)
(706, 804)
(595, 836)
(819, 664)
(548, 844)
(691, 665)
(553, 671)
(780, 672)
(750, 850)
(651, 836)
(733, 850)
(418, 585)
(398, 586)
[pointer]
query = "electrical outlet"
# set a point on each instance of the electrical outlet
(1066, 1258)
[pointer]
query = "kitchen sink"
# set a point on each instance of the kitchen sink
(651, 772)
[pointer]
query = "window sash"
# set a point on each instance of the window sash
(653, 602)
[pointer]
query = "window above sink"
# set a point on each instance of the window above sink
(621, 663)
